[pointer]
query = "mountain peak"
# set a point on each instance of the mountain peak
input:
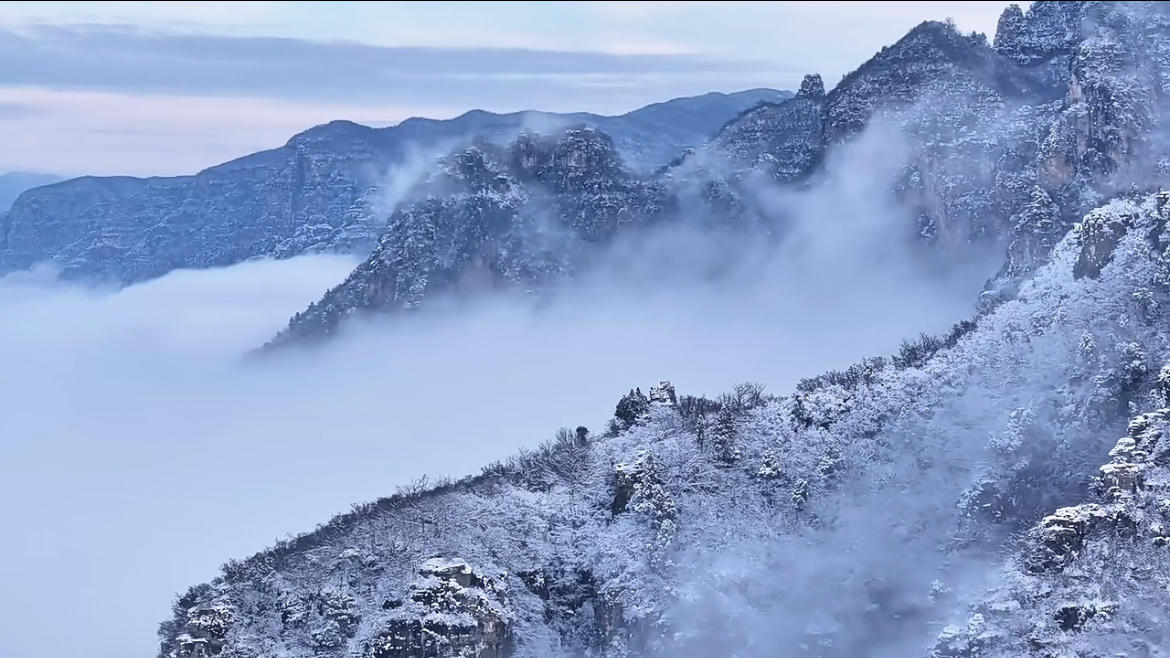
(579, 152)
(1045, 30)
(811, 87)
(338, 129)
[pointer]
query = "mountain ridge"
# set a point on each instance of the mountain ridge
(320, 191)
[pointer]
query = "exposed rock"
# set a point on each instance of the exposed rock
(453, 610)
(1048, 31)
(812, 86)
(205, 631)
(1074, 617)
(786, 139)
(663, 394)
(1061, 535)
(1091, 571)
(484, 220)
(1098, 235)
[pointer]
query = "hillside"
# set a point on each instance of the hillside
(709, 527)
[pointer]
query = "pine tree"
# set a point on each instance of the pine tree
(769, 466)
(1035, 230)
(724, 437)
(800, 493)
(633, 407)
(1164, 384)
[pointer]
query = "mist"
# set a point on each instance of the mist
(141, 450)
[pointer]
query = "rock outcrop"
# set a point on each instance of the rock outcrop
(451, 609)
(1089, 576)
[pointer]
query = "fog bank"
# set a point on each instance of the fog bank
(140, 451)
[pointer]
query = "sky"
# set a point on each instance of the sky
(171, 88)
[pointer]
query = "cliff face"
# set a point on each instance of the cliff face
(310, 195)
(785, 139)
(1088, 577)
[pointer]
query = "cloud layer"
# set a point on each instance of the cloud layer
(127, 59)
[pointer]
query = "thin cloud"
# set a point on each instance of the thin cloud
(126, 59)
(16, 110)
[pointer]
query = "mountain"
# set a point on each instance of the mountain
(861, 514)
(486, 217)
(13, 183)
(328, 189)
(1004, 145)
(966, 497)
(652, 136)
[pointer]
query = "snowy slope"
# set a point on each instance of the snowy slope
(865, 512)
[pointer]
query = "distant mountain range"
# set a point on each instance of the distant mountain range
(325, 190)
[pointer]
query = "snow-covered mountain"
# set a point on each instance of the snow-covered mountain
(965, 497)
(863, 513)
(524, 214)
(327, 189)
(990, 145)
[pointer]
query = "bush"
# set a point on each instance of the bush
(916, 352)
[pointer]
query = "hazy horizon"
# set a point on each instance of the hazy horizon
(184, 86)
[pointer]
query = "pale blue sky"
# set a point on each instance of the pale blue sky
(145, 88)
